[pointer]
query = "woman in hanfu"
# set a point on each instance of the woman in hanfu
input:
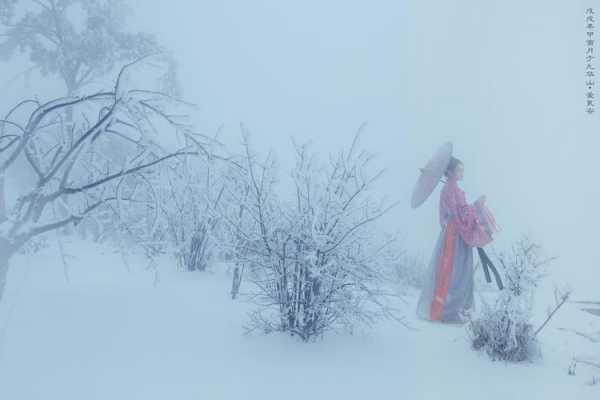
(447, 294)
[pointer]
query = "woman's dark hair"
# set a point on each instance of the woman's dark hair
(452, 165)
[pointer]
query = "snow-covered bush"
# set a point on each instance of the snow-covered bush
(317, 262)
(409, 270)
(189, 189)
(503, 334)
(504, 329)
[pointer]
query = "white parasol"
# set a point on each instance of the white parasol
(431, 175)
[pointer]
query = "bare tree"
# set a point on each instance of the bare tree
(81, 42)
(80, 164)
(77, 40)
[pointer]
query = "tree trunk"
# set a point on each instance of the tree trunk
(6, 251)
(3, 215)
(236, 281)
(5, 248)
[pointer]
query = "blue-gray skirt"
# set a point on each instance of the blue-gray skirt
(448, 285)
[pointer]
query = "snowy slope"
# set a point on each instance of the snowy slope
(111, 334)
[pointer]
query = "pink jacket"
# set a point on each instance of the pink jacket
(474, 222)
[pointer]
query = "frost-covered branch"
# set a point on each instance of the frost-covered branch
(82, 170)
(316, 263)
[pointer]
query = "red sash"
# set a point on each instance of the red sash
(444, 271)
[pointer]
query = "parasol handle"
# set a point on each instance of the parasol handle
(423, 171)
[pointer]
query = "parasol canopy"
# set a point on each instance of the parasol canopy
(431, 175)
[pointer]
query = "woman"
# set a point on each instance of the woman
(447, 294)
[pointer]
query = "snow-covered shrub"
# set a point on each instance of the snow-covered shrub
(409, 270)
(189, 189)
(503, 334)
(503, 329)
(317, 260)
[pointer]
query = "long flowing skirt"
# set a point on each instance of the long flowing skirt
(448, 286)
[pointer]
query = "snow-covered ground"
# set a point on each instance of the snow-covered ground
(113, 332)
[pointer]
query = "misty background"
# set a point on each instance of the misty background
(503, 81)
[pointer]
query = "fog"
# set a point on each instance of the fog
(504, 81)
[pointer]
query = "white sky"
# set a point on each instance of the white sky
(504, 81)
